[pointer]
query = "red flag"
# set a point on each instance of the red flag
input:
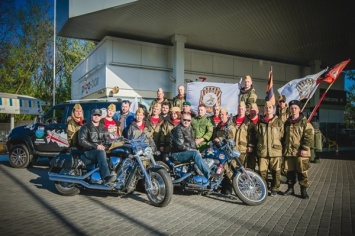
(270, 89)
(334, 73)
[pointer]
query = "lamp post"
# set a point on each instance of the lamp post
(54, 48)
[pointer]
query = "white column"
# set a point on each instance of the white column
(179, 60)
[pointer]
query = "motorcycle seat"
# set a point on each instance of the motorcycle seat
(122, 151)
(176, 162)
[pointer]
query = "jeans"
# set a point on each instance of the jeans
(193, 155)
(99, 156)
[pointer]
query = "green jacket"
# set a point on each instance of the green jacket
(299, 135)
(203, 128)
(177, 101)
(244, 135)
(226, 131)
(165, 135)
(72, 132)
(269, 137)
(155, 130)
(283, 113)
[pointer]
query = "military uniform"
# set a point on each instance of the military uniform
(248, 96)
(283, 113)
(269, 149)
(203, 128)
(178, 101)
(299, 135)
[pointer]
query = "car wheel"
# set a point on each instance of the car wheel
(19, 156)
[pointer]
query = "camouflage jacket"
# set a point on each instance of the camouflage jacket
(224, 131)
(299, 135)
(72, 132)
(177, 101)
(155, 130)
(165, 135)
(155, 101)
(269, 137)
(203, 128)
(248, 96)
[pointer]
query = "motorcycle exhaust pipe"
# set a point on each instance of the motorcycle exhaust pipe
(176, 181)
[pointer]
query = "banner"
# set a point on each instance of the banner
(299, 89)
(333, 73)
(225, 94)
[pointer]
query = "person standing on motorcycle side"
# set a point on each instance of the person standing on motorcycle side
(254, 116)
(91, 138)
(269, 132)
(112, 126)
(225, 130)
(203, 128)
(244, 137)
(297, 143)
(183, 147)
(154, 124)
(75, 121)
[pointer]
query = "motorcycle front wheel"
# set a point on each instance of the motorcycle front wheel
(162, 188)
(250, 188)
(68, 189)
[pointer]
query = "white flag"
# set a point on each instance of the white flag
(224, 94)
(134, 105)
(299, 89)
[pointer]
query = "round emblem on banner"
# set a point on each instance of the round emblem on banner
(210, 99)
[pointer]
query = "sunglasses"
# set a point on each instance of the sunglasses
(187, 120)
(96, 115)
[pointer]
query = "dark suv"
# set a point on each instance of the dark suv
(48, 135)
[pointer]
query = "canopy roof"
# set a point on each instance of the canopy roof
(294, 32)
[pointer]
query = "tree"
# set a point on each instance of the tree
(26, 53)
(349, 118)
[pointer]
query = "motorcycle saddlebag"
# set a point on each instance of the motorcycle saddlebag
(63, 160)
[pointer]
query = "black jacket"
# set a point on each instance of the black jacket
(182, 138)
(90, 136)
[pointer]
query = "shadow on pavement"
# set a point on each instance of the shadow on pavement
(341, 155)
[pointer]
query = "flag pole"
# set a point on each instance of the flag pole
(309, 97)
(319, 102)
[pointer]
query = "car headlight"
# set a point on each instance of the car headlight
(236, 153)
(148, 151)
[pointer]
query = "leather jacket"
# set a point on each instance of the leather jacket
(90, 136)
(182, 138)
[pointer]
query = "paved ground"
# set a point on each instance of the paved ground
(30, 205)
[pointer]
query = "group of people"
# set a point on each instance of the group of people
(279, 138)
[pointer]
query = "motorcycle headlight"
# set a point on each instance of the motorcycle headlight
(148, 151)
(236, 153)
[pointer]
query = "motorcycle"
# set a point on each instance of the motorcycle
(131, 161)
(249, 187)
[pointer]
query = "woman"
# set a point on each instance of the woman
(169, 124)
(112, 126)
(75, 121)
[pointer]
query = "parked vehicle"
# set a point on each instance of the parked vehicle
(130, 162)
(47, 136)
(248, 185)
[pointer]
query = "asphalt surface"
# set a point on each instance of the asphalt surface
(30, 205)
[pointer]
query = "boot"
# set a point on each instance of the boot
(304, 194)
(290, 190)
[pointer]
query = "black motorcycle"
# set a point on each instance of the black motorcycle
(248, 185)
(131, 161)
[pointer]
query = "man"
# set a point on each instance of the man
(125, 117)
(297, 143)
(179, 99)
(282, 110)
(269, 132)
(183, 149)
(165, 108)
(91, 137)
(159, 100)
(112, 126)
(225, 130)
(203, 128)
(186, 108)
(254, 113)
(215, 119)
(154, 124)
(254, 116)
(243, 133)
(247, 93)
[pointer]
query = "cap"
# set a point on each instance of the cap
(254, 106)
(111, 107)
(268, 103)
(186, 103)
(241, 104)
(77, 107)
(295, 102)
(175, 109)
(140, 111)
(96, 112)
(282, 98)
